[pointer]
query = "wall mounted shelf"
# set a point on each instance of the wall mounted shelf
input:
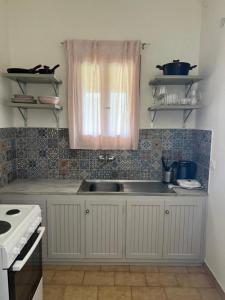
(175, 80)
(23, 109)
(187, 110)
(24, 79)
(187, 81)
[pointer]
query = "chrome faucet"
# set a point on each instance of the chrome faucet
(107, 158)
(102, 157)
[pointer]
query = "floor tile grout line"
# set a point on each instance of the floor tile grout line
(82, 282)
(131, 293)
(177, 281)
(53, 276)
(165, 293)
(64, 292)
(198, 291)
(97, 292)
(146, 281)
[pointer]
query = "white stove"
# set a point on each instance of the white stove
(20, 249)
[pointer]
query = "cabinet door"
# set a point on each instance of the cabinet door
(65, 228)
(144, 228)
(183, 228)
(104, 228)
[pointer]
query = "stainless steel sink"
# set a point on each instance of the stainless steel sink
(132, 187)
(146, 187)
(100, 187)
(105, 187)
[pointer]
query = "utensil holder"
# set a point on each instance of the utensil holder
(167, 176)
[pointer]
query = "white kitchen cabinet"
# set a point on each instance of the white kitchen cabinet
(120, 229)
(144, 230)
(104, 228)
(183, 228)
(66, 228)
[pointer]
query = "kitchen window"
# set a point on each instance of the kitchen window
(103, 94)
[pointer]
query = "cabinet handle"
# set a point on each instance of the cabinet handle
(167, 212)
(87, 211)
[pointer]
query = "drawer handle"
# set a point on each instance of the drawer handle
(19, 264)
(167, 212)
(87, 211)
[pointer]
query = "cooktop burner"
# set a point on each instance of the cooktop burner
(12, 212)
(4, 227)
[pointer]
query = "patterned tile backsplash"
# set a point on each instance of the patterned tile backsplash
(44, 152)
(8, 170)
(201, 154)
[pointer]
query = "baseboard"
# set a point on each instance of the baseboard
(217, 285)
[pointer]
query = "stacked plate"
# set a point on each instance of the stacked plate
(23, 99)
(30, 99)
(189, 183)
(48, 99)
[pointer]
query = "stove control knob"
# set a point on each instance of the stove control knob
(31, 229)
(23, 241)
(16, 251)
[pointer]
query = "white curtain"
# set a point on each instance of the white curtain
(103, 94)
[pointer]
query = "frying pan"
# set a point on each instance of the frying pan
(47, 70)
(25, 71)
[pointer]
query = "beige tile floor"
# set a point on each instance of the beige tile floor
(128, 283)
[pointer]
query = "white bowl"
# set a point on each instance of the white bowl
(48, 99)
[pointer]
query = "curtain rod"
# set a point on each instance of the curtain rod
(143, 45)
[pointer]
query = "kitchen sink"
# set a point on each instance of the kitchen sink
(100, 187)
(146, 187)
(105, 187)
(125, 187)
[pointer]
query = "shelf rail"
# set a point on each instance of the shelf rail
(23, 110)
(187, 111)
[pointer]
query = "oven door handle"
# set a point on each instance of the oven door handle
(19, 264)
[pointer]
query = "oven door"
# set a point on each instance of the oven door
(25, 274)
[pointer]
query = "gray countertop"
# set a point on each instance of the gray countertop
(56, 186)
(41, 187)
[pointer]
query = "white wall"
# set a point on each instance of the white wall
(212, 61)
(5, 113)
(172, 27)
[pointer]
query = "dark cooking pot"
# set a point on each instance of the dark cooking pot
(47, 70)
(176, 68)
(22, 71)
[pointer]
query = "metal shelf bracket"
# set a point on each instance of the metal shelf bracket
(188, 88)
(24, 114)
(55, 87)
(153, 115)
(22, 86)
(186, 116)
(56, 115)
(155, 91)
